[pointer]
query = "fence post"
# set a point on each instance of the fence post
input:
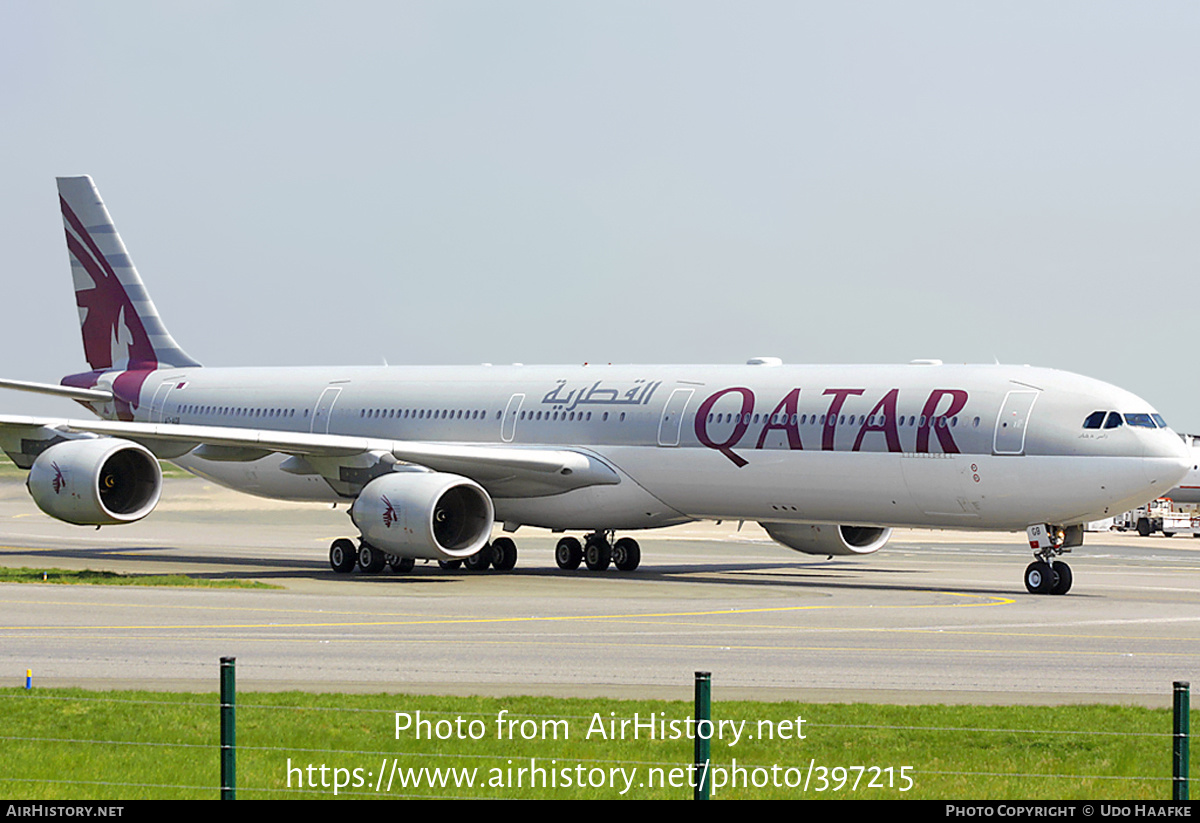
(1179, 741)
(228, 730)
(700, 789)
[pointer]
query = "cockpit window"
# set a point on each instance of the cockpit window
(1142, 420)
(1113, 420)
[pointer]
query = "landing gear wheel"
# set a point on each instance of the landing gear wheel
(343, 556)
(401, 565)
(627, 554)
(1062, 579)
(1039, 577)
(568, 554)
(597, 554)
(450, 564)
(504, 554)
(370, 559)
(479, 561)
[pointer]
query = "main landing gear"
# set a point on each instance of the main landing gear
(500, 554)
(598, 553)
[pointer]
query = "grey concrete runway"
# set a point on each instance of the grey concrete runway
(935, 616)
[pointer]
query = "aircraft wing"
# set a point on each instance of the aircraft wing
(346, 461)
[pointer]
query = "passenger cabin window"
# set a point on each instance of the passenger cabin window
(1094, 420)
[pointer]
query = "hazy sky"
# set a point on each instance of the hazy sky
(460, 182)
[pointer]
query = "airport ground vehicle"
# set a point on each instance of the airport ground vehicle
(1160, 516)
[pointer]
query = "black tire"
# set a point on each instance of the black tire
(504, 554)
(479, 561)
(450, 564)
(370, 559)
(1143, 527)
(627, 554)
(597, 554)
(401, 565)
(568, 554)
(343, 557)
(1062, 578)
(1039, 577)
(1168, 534)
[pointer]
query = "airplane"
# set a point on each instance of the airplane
(1188, 490)
(829, 459)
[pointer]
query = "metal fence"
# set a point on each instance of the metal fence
(75, 744)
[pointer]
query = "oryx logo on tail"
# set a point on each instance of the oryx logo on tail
(120, 325)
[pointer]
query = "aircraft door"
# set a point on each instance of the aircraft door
(159, 403)
(1013, 421)
(672, 417)
(323, 410)
(508, 426)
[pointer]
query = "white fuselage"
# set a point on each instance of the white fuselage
(986, 447)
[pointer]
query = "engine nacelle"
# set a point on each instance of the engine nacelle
(96, 481)
(425, 515)
(828, 539)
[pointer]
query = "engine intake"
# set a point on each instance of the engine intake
(96, 481)
(426, 515)
(828, 539)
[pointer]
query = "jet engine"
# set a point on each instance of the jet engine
(828, 539)
(96, 481)
(427, 515)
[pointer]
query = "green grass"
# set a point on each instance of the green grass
(954, 752)
(90, 577)
(171, 470)
(8, 469)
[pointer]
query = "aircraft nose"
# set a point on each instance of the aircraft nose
(1168, 461)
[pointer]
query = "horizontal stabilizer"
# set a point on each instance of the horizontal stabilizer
(71, 392)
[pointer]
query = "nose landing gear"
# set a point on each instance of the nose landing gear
(1042, 577)
(1045, 575)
